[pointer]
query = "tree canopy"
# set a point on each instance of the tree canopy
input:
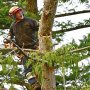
(65, 60)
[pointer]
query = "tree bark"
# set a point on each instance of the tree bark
(45, 42)
(48, 82)
(46, 23)
(32, 6)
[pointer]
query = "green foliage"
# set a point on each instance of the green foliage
(61, 59)
(83, 1)
(67, 25)
(36, 62)
(10, 72)
(64, 0)
(58, 56)
(23, 4)
(12, 88)
(5, 5)
(4, 18)
(85, 41)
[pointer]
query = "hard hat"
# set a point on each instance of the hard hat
(14, 9)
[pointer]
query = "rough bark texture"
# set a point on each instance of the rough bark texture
(45, 41)
(48, 82)
(46, 23)
(32, 6)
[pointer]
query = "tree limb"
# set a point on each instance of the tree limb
(80, 49)
(7, 50)
(70, 29)
(76, 50)
(72, 13)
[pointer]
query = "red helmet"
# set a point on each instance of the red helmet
(14, 10)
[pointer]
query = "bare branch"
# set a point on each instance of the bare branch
(6, 50)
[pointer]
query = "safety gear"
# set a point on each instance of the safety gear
(32, 79)
(13, 10)
(36, 86)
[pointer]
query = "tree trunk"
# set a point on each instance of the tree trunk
(48, 82)
(32, 6)
(45, 42)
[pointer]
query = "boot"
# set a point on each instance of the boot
(33, 81)
(36, 86)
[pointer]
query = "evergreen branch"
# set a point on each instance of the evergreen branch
(80, 49)
(12, 50)
(72, 13)
(70, 29)
(21, 83)
(76, 50)
(6, 50)
(6, 76)
(17, 47)
(9, 53)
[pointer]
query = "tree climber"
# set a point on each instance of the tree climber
(24, 30)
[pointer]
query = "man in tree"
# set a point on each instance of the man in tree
(24, 30)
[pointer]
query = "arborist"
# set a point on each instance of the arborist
(24, 30)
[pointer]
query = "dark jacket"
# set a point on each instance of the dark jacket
(25, 32)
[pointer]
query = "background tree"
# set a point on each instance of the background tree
(32, 6)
